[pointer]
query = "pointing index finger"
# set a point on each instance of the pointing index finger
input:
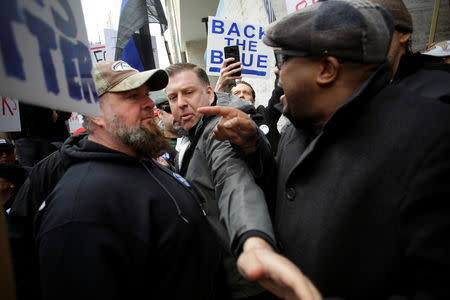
(223, 111)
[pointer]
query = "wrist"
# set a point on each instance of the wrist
(256, 243)
(251, 146)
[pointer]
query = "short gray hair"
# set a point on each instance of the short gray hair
(180, 67)
(87, 123)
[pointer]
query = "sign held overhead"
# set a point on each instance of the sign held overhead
(256, 57)
(45, 57)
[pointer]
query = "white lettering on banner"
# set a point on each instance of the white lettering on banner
(293, 5)
(256, 57)
(10, 115)
(45, 58)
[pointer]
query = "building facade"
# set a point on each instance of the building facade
(188, 29)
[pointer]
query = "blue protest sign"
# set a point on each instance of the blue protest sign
(45, 57)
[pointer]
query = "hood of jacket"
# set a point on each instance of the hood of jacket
(79, 148)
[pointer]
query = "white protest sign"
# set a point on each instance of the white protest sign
(256, 57)
(10, 115)
(45, 57)
(98, 53)
(75, 122)
(110, 43)
(293, 5)
(155, 52)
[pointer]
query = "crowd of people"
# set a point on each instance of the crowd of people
(197, 195)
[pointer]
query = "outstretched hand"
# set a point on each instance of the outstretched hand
(235, 126)
(227, 74)
(276, 274)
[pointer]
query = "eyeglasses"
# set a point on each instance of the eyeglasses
(282, 56)
(166, 108)
(7, 151)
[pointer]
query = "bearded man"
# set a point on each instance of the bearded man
(113, 225)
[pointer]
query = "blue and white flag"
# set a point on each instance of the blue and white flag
(133, 37)
(269, 11)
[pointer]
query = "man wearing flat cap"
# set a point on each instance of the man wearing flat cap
(361, 172)
(118, 225)
(401, 39)
(415, 71)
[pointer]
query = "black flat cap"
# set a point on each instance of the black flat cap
(357, 30)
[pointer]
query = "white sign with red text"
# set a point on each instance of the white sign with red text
(10, 115)
(75, 122)
(293, 5)
(98, 53)
(110, 43)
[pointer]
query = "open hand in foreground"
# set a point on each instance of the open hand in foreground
(276, 274)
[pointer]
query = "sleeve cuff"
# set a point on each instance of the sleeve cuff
(238, 244)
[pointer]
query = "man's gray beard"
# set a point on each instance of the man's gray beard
(146, 142)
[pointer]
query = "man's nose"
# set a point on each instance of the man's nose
(277, 71)
(181, 101)
(150, 102)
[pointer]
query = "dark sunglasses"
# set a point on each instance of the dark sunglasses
(282, 56)
(166, 108)
(7, 151)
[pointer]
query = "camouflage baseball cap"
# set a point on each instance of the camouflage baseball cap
(118, 76)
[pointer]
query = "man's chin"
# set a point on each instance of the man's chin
(186, 126)
(150, 124)
(149, 121)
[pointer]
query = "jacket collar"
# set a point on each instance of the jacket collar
(377, 81)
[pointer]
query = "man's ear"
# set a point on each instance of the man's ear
(211, 95)
(98, 121)
(404, 39)
(329, 70)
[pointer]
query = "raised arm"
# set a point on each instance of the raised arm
(227, 74)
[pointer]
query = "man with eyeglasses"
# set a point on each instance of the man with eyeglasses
(361, 172)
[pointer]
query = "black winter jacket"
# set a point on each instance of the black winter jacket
(267, 118)
(363, 207)
(431, 80)
(115, 227)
